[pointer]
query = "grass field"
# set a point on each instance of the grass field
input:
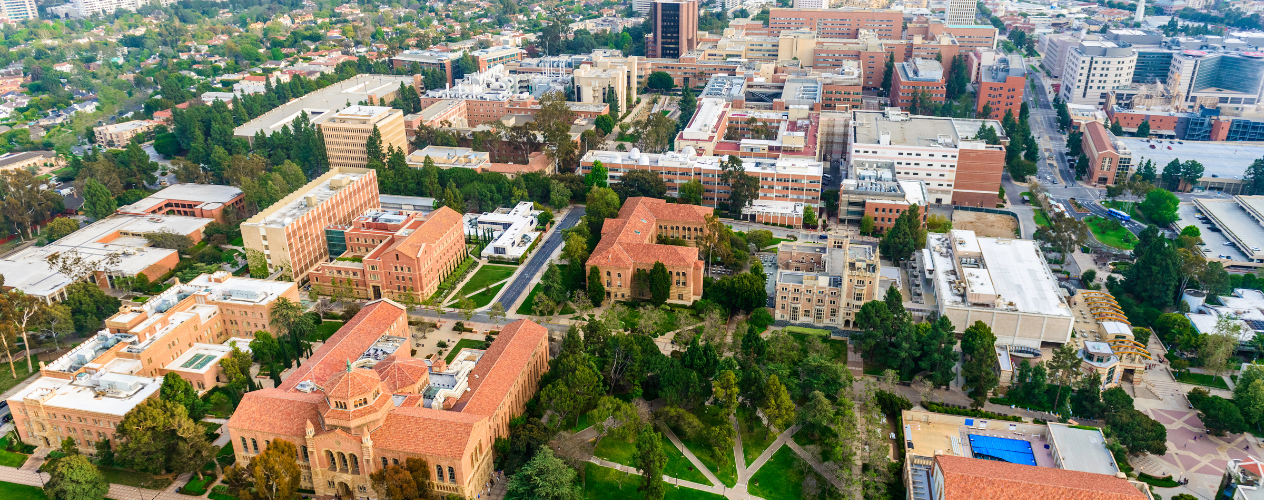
(838, 348)
(807, 331)
(324, 330)
(755, 436)
(678, 466)
(14, 491)
(1042, 219)
(7, 381)
(462, 344)
(608, 484)
(1117, 237)
(9, 458)
(481, 298)
(133, 478)
(485, 276)
(780, 478)
(712, 416)
(1202, 379)
(1159, 482)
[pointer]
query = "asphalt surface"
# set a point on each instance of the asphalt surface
(543, 253)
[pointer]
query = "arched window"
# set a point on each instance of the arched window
(244, 448)
(439, 472)
(355, 464)
(451, 475)
(384, 464)
(304, 455)
(342, 462)
(254, 444)
(329, 456)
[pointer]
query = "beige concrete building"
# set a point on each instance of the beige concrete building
(291, 233)
(119, 134)
(825, 284)
(347, 132)
(591, 82)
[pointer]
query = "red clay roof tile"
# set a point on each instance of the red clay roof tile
(975, 479)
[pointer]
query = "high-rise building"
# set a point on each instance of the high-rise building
(347, 132)
(839, 23)
(1093, 69)
(960, 12)
(1140, 12)
(1211, 78)
(675, 28)
(1001, 86)
(18, 10)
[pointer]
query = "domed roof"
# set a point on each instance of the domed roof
(352, 383)
(397, 373)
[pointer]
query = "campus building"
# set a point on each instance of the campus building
(1093, 68)
(1001, 86)
(825, 283)
(38, 159)
(1005, 283)
(362, 403)
(512, 231)
(1109, 159)
(324, 103)
(630, 242)
(118, 237)
(871, 189)
(488, 98)
(838, 23)
(185, 330)
(792, 180)
(347, 131)
(675, 25)
(919, 78)
(391, 254)
(119, 134)
(290, 234)
(945, 154)
(207, 201)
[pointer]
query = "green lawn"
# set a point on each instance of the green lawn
(678, 466)
(1202, 379)
(780, 478)
(1160, 482)
(464, 343)
(6, 377)
(1042, 219)
(583, 422)
(324, 330)
(755, 436)
(197, 487)
(134, 478)
(603, 483)
(776, 241)
(712, 416)
(485, 276)
(14, 491)
(211, 427)
(838, 348)
(9, 458)
(237, 242)
(482, 298)
(1118, 237)
(808, 331)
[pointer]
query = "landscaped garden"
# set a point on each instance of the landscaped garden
(528, 304)
(1110, 232)
(782, 477)
(325, 330)
(464, 344)
(14, 491)
(622, 452)
(1202, 379)
(10, 453)
(485, 276)
(755, 435)
(602, 483)
(712, 416)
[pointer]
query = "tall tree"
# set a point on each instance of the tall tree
(271, 475)
(778, 407)
(73, 477)
(545, 477)
(97, 201)
(743, 187)
(978, 343)
(158, 437)
(660, 284)
(651, 460)
(905, 236)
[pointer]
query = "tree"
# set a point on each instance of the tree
(778, 407)
(651, 460)
(660, 284)
(725, 389)
(596, 290)
(809, 215)
(176, 389)
(545, 477)
(1143, 130)
(979, 344)
(866, 225)
(73, 477)
(1254, 177)
(271, 475)
(1138, 432)
(743, 187)
(645, 183)
(1116, 129)
(1171, 175)
(1087, 400)
(158, 437)
(690, 193)
(1191, 171)
(394, 483)
(605, 124)
(1220, 344)
(887, 72)
(60, 227)
(97, 201)
(905, 236)
(285, 318)
(936, 350)
(1115, 400)
(1160, 206)
(1064, 366)
(660, 80)
(1219, 415)
(1064, 233)
(577, 385)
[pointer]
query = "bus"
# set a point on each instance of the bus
(1118, 214)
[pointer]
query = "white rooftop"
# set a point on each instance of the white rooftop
(301, 204)
(81, 394)
(1010, 274)
(29, 271)
(323, 102)
(687, 158)
(1082, 449)
(204, 193)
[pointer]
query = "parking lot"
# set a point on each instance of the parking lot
(1216, 242)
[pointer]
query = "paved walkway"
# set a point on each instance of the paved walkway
(693, 459)
(117, 491)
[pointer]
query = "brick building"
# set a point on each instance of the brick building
(1108, 158)
(291, 233)
(1001, 86)
(361, 403)
(186, 330)
(794, 180)
(924, 77)
(492, 56)
(839, 23)
(392, 254)
(207, 201)
(629, 242)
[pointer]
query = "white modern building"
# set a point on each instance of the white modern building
(18, 10)
(1004, 283)
(961, 13)
(513, 231)
(1093, 69)
(86, 8)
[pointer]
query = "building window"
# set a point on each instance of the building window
(451, 475)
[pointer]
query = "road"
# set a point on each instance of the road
(542, 254)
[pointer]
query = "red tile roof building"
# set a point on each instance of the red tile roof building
(964, 478)
(629, 243)
(352, 415)
(393, 254)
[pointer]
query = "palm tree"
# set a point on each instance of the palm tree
(285, 314)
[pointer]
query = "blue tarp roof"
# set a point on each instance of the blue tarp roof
(1006, 450)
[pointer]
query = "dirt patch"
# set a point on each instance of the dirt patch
(984, 224)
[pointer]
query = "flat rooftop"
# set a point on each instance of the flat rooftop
(298, 205)
(196, 193)
(1082, 449)
(1235, 218)
(323, 102)
(1011, 269)
(121, 234)
(927, 433)
(673, 159)
(1221, 159)
(82, 394)
(923, 131)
